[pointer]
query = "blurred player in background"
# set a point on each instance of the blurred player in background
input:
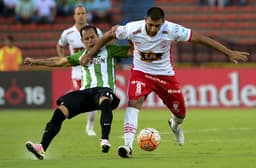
(96, 93)
(153, 69)
(71, 38)
(10, 55)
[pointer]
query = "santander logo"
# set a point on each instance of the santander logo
(228, 95)
(229, 89)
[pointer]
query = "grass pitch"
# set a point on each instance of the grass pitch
(216, 138)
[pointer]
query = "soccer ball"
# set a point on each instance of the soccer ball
(148, 139)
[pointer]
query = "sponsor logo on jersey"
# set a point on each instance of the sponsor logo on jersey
(172, 91)
(155, 79)
(150, 56)
(99, 60)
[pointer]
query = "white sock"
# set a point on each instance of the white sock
(130, 125)
(90, 120)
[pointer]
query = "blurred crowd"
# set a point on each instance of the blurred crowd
(221, 3)
(45, 11)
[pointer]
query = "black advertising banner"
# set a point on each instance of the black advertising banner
(25, 89)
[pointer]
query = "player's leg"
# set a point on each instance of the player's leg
(174, 100)
(89, 128)
(105, 122)
(177, 118)
(107, 102)
(69, 106)
(175, 125)
(138, 90)
(130, 128)
(51, 130)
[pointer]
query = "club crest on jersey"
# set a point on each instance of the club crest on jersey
(164, 44)
(175, 106)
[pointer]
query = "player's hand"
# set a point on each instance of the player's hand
(85, 60)
(28, 61)
(113, 28)
(237, 56)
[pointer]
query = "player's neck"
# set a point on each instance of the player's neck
(79, 26)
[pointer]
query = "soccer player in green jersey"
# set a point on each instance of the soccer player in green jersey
(96, 93)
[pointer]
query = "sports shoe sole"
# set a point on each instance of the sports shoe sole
(31, 149)
(105, 148)
(122, 152)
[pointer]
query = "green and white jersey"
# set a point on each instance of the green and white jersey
(101, 73)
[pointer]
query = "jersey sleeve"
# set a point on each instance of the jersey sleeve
(127, 31)
(99, 32)
(121, 32)
(63, 40)
(117, 51)
(180, 33)
(74, 59)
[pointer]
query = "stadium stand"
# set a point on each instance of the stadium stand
(234, 24)
(39, 41)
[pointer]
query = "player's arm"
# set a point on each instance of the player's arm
(60, 50)
(49, 62)
(107, 37)
(234, 56)
(130, 51)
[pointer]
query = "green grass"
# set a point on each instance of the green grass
(213, 139)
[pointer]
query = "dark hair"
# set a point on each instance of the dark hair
(10, 38)
(79, 6)
(155, 13)
(86, 28)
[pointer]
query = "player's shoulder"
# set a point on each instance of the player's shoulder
(69, 30)
(169, 25)
(137, 23)
(135, 27)
(172, 27)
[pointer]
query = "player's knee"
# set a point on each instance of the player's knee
(136, 103)
(58, 116)
(105, 103)
(104, 99)
(54, 124)
(64, 110)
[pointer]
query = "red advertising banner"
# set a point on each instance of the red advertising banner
(202, 87)
(25, 89)
(218, 87)
(61, 83)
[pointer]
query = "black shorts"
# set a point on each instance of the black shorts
(86, 100)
